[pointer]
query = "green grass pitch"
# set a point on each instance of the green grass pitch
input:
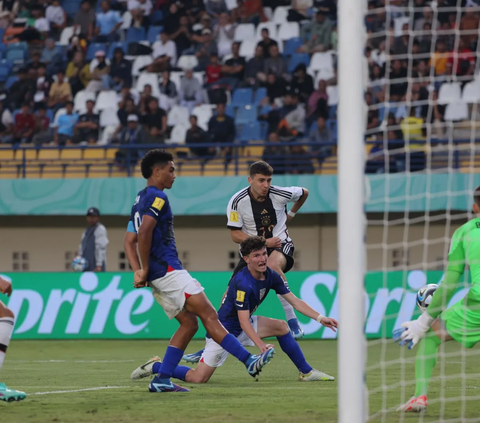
(231, 396)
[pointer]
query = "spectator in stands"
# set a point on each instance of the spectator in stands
(44, 84)
(412, 125)
(377, 83)
(169, 90)
(223, 34)
(213, 70)
(85, 20)
(6, 125)
(318, 98)
(60, 92)
(76, 45)
(254, 67)
(196, 135)
(322, 137)
(128, 109)
(320, 34)
(402, 43)
(132, 134)
(373, 117)
(233, 69)
(155, 116)
(215, 8)
(183, 37)
(425, 39)
(397, 89)
(164, 54)
(102, 68)
(153, 136)
(302, 83)
(43, 134)
(56, 17)
(266, 42)
(65, 126)
(190, 93)
(108, 22)
(426, 18)
(37, 27)
(172, 19)
(125, 94)
(205, 49)
(275, 90)
(145, 97)
(439, 59)
(120, 72)
(93, 247)
(291, 118)
(221, 128)
(275, 153)
(461, 61)
(21, 90)
(78, 73)
(87, 126)
(140, 10)
(35, 63)
(470, 22)
(24, 125)
(275, 64)
(51, 56)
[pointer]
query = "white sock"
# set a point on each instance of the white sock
(287, 307)
(6, 329)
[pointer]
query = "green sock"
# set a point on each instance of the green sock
(425, 362)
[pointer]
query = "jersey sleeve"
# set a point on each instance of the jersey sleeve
(242, 294)
(234, 219)
(287, 194)
(154, 204)
(131, 227)
(279, 285)
(456, 256)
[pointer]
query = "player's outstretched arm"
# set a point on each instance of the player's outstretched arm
(145, 234)
(244, 319)
(302, 307)
(297, 205)
(238, 236)
(130, 246)
(5, 287)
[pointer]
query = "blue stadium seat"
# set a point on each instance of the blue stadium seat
(260, 94)
(15, 56)
(230, 111)
(242, 96)
(332, 125)
(71, 7)
(156, 16)
(153, 33)
(264, 130)
(292, 45)
(265, 110)
(113, 46)
(332, 113)
(10, 81)
(134, 35)
(246, 114)
(93, 48)
(251, 132)
(50, 115)
(5, 69)
(22, 45)
(298, 58)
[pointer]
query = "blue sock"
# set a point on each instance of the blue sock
(156, 368)
(180, 372)
(234, 347)
(292, 349)
(172, 357)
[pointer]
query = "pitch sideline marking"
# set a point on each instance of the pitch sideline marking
(98, 388)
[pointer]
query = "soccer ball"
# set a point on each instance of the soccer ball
(79, 264)
(424, 296)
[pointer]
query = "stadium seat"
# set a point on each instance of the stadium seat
(79, 102)
(148, 79)
(247, 49)
(272, 28)
(230, 111)
(176, 78)
(70, 7)
(288, 30)
(260, 94)
(322, 61)
(106, 138)
(106, 100)
(10, 81)
(200, 76)
(153, 33)
(203, 114)
(296, 59)
(135, 35)
(108, 117)
(231, 4)
(242, 97)
(471, 92)
(280, 14)
(71, 154)
(6, 154)
(127, 19)
(49, 154)
(178, 134)
(67, 33)
(5, 69)
(93, 48)
(246, 114)
(244, 32)
(59, 113)
(178, 115)
(456, 111)
(449, 93)
(94, 154)
(15, 55)
(332, 92)
(187, 62)
(139, 63)
(113, 46)
(250, 132)
(398, 25)
(292, 45)
(156, 17)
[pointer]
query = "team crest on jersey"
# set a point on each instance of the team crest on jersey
(262, 293)
(266, 220)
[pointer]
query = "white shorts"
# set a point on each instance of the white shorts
(172, 290)
(214, 355)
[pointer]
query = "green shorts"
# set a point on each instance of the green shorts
(463, 323)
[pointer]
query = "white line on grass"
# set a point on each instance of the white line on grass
(98, 388)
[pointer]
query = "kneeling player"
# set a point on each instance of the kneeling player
(461, 322)
(7, 320)
(247, 290)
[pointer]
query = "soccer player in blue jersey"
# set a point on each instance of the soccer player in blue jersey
(246, 291)
(157, 266)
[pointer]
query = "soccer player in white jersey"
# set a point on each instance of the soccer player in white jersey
(7, 320)
(261, 210)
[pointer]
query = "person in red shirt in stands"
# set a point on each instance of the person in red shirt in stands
(461, 62)
(213, 70)
(24, 125)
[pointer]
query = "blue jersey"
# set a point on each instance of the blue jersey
(163, 254)
(247, 293)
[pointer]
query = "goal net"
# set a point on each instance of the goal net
(422, 90)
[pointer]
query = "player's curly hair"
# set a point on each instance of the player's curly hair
(261, 168)
(252, 243)
(154, 158)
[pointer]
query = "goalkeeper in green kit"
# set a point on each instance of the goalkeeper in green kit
(461, 322)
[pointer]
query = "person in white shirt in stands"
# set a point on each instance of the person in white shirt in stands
(190, 94)
(57, 18)
(140, 10)
(164, 54)
(223, 35)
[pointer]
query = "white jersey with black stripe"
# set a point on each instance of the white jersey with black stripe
(267, 218)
